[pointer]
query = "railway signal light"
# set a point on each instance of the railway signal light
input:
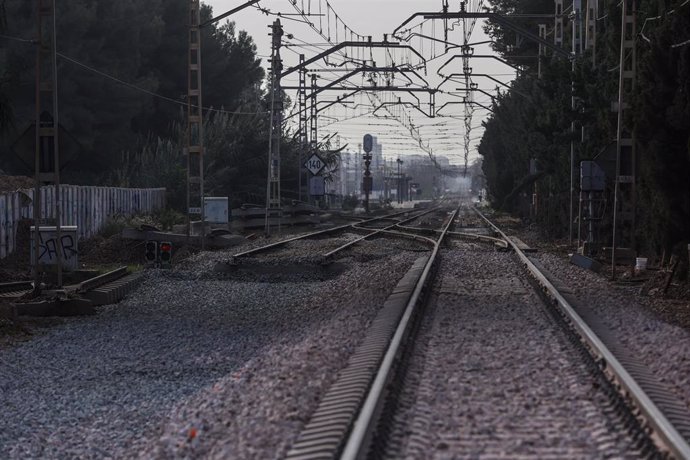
(166, 254)
(151, 251)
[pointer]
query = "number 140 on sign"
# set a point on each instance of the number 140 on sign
(314, 164)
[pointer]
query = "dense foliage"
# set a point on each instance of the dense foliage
(125, 133)
(533, 121)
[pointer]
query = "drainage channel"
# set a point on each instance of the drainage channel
(342, 424)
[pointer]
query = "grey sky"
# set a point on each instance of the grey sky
(376, 17)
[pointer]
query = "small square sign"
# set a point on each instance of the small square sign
(317, 186)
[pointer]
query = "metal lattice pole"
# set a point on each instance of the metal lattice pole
(273, 203)
(195, 125)
(575, 50)
(624, 191)
(47, 159)
(303, 128)
(313, 127)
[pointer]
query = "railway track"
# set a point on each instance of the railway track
(390, 224)
(502, 362)
(108, 287)
(293, 353)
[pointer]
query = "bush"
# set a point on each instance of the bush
(169, 217)
(114, 225)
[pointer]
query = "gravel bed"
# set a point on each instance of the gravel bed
(192, 366)
(663, 347)
(308, 247)
(493, 376)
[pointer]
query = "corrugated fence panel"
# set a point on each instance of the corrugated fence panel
(89, 208)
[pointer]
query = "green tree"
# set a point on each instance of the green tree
(142, 43)
(662, 118)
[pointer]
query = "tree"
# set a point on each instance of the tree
(113, 57)
(662, 117)
(540, 128)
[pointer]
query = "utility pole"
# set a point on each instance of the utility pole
(195, 125)
(576, 35)
(558, 23)
(399, 192)
(469, 94)
(591, 28)
(624, 191)
(47, 159)
(303, 128)
(368, 143)
(273, 203)
(195, 118)
(313, 127)
(542, 50)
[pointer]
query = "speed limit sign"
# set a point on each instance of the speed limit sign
(314, 164)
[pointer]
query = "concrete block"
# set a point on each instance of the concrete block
(585, 262)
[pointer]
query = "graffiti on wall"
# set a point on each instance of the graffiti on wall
(49, 247)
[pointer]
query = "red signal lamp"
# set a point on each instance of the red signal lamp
(165, 254)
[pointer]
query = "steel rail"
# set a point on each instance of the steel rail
(374, 232)
(411, 236)
(317, 233)
(100, 280)
(15, 286)
(664, 429)
(357, 442)
(473, 236)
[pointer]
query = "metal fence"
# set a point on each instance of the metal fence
(86, 207)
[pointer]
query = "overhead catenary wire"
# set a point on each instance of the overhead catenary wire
(151, 93)
(131, 85)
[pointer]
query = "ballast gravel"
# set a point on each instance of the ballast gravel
(663, 347)
(192, 365)
(493, 376)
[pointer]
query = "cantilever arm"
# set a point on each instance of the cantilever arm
(232, 11)
(354, 44)
(501, 19)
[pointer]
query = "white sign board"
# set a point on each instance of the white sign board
(317, 186)
(216, 209)
(314, 164)
(48, 246)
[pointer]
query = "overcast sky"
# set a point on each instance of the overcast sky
(376, 17)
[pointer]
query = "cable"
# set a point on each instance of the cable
(655, 18)
(678, 45)
(17, 39)
(151, 93)
(130, 85)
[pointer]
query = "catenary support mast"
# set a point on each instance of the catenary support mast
(47, 160)
(273, 203)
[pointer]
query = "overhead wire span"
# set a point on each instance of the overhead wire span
(151, 93)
